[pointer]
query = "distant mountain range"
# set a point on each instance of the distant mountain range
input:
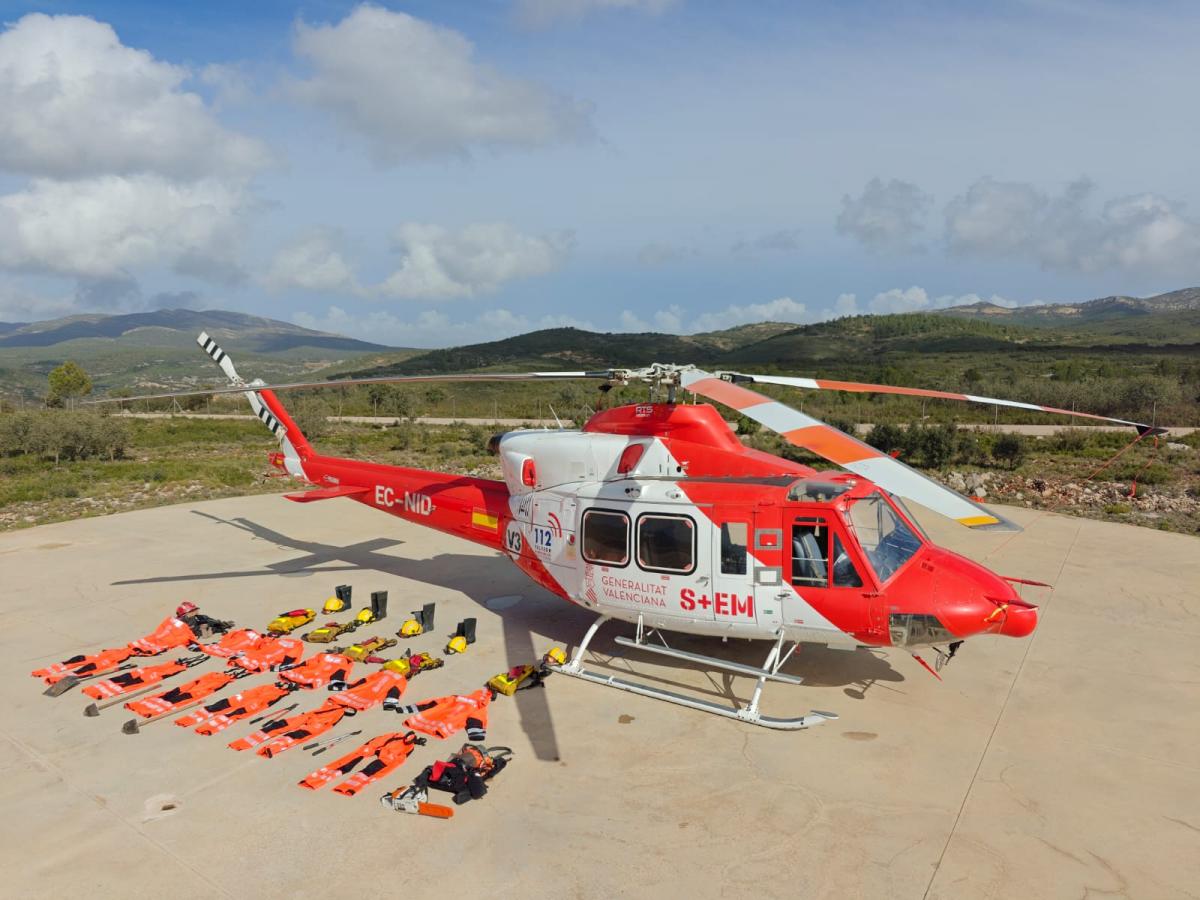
(855, 341)
(178, 328)
(1173, 317)
(157, 349)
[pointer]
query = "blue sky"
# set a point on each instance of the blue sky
(435, 173)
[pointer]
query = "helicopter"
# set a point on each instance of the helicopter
(657, 515)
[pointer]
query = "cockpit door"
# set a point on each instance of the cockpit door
(733, 594)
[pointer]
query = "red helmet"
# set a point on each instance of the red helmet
(187, 607)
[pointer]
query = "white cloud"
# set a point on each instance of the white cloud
(1071, 231)
(784, 309)
(440, 263)
(414, 90)
(20, 304)
(313, 262)
(675, 319)
(846, 305)
(432, 328)
(539, 13)
(900, 301)
(885, 217)
(917, 299)
(102, 227)
(75, 102)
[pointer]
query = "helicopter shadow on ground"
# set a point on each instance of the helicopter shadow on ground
(478, 577)
(856, 671)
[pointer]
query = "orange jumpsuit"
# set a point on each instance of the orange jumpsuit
(196, 689)
(221, 714)
(78, 666)
(233, 643)
(447, 715)
(269, 653)
(133, 680)
(369, 690)
(318, 671)
(390, 751)
(171, 633)
(283, 734)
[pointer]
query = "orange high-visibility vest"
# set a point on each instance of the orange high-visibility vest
(270, 653)
(170, 634)
(371, 690)
(318, 671)
(222, 713)
(447, 715)
(232, 643)
(132, 680)
(104, 661)
(390, 751)
(196, 689)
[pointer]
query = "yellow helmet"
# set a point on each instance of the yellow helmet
(458, 644)
(365, 616)
(334, 605)
(411, 628)
(555, 655)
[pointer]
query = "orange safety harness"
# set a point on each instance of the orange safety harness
(389, 752)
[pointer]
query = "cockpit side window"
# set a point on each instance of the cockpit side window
(844, 572)
(885, 538)
(810, 560)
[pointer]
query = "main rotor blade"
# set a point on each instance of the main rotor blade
(342, 382)
(801, 430)
(820, 384)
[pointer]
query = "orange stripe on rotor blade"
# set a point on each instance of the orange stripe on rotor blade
(831, 444)
(886, 389)
(730, 394)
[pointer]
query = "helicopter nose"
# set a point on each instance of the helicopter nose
(1019, 620)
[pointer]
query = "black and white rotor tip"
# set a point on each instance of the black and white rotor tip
(219, 356)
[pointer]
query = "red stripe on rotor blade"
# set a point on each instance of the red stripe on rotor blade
(860, 388)
(831, 444)
(730, 394)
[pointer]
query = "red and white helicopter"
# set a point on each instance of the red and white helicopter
(656, 514)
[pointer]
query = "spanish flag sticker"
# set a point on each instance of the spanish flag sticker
(481, 518)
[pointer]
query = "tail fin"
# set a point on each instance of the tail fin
(295, 446)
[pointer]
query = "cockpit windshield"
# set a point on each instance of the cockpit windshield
(886, 538)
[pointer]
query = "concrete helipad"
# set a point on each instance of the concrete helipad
(1066, 765)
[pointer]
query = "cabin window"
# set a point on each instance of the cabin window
(606, 537)
(734, 539)
(667, 543)
(810, 566)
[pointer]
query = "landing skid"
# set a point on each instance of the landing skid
(748, 713)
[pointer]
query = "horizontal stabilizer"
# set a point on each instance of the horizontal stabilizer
(327, 493)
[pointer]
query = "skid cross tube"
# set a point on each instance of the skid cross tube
(748, 713)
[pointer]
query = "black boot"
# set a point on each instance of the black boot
(342, 592)
(379, 604)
